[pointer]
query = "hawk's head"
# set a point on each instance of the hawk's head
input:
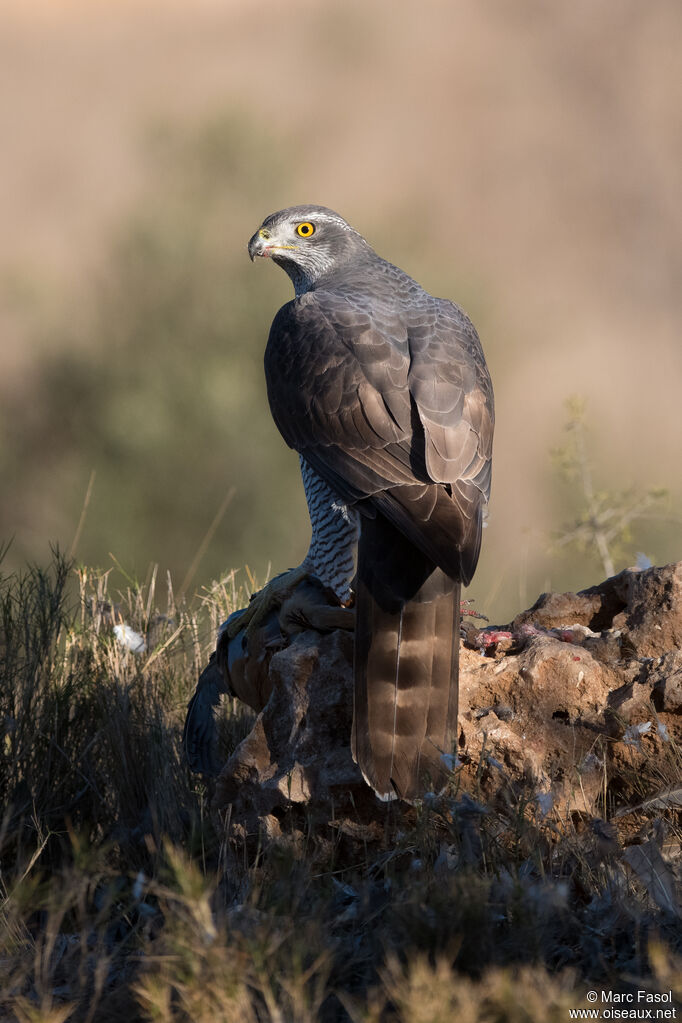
(308, 242)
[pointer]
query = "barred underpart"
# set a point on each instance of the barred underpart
(336, 528)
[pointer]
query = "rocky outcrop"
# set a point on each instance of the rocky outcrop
(578, 700)
(298, 752)
(588, 685)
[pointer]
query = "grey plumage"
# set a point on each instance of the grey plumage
(384, 391)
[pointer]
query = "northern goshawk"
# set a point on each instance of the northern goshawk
(384, 392)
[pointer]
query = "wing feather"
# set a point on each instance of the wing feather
(393, 407)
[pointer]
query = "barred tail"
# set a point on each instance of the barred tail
(406, 665)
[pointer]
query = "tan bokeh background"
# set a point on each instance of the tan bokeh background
(524, 159)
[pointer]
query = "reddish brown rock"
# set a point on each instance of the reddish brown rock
(580, 696)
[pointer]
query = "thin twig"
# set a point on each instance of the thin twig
(84, 510)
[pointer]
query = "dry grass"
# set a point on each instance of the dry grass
(117, 900)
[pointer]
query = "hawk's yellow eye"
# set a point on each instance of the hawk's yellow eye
(305, 230)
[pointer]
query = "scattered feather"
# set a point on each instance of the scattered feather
(663, 731)
(545, 802)
(634, 732)
(130, 639)
(470, 807)
(140, 885)
(449, 761)
(583, 630)
(345, 891)
(590, 762)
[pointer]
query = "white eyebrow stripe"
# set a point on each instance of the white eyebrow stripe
(326, 217)
(323, 218)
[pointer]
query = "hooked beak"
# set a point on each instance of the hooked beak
(263, 243)
(258, 244)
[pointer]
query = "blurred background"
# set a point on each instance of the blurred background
(524, 159)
